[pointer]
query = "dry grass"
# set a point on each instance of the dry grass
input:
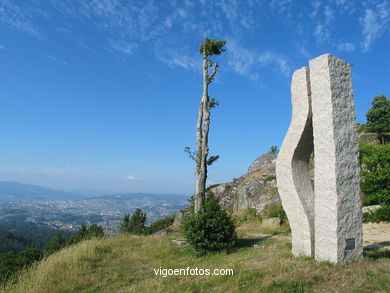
(126, 263)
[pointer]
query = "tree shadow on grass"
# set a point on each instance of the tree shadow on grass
(375, 251)
(249, 242)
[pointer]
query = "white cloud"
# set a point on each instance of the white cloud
(322, 29)
(280, 61)
(130, 178)
(55, 59)
(178, 57)
(2, 47)
(303, 51)
(240, 59)
(346, 6)
(245, 61)
(316, 5)
(122, 46)
(346, 46)
(11, 15)
(375, 22)
(281, 6)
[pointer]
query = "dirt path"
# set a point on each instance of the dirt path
(376, 235)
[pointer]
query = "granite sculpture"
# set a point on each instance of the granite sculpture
(326, 223)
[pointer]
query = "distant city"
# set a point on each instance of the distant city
(68, 215)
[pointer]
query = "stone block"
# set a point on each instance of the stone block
(338, 216)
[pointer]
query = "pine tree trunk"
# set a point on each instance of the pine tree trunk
(202, 130)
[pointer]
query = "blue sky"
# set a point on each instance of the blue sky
(103, 94)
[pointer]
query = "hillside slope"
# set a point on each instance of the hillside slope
(126, 264)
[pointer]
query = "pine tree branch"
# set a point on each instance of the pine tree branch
(212, 75)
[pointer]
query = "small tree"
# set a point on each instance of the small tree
(378, 117)
(207, 48)
(134, 224)
(274, 150)
(211, 229)
(56, 243)
(85, 233)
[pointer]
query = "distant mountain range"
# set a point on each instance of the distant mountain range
(14, 191)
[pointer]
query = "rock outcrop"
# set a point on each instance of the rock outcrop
(256, 189)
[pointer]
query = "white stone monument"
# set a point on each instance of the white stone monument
(326, 224)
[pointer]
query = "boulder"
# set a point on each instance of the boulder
(180, 216)
(256, 189)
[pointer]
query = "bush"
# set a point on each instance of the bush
(381, 214)
(56, 243)
(375, 173)
(85, 233)
(275, 210)
(160, 224)
(12, 262)
(245, 216)
(210, 230)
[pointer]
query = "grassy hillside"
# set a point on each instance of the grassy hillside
(126, 264)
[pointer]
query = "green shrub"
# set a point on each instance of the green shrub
(245, 216)
(56, 243)
(210, 230)
(275, 210)
(160, 224)
(269, 178)
(85, 233)
(375, 173)
(12, 262)
(381, 214)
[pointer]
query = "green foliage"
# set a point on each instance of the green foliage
(210, 230)
(213, 103)
(378, 117)
(211, 160)
(212, 186)
(85, 233)
(375, 173)
(269, 178)
(245, 216)
(274, 150)
(227, 188)
(134, 224)
(362, 127)
(275, 210)
(15, 236)
(10, 262)
(381, 214)
(56, 243)
(212, 47)
(160, 224)
(192, 155)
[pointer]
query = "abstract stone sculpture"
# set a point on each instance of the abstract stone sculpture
(292, 167)
(326, 224)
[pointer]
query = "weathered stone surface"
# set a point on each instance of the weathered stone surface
(180, 216)
(330, 223)
(292, 167)
(267, 159)
(338, 216)
(255, 189)
(369, 209)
